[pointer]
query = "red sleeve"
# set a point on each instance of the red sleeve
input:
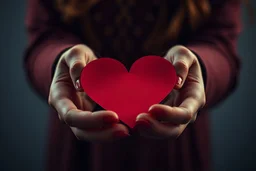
(216, 44)
(47, 39)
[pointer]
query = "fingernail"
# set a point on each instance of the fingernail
(109, 120)
(150, 108)
(141, 116)
(144, 124)
(179, 81)
(121, 134)
(78, 86)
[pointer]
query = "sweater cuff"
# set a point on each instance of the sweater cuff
(55, 62)
(203, 68)
(204, 73)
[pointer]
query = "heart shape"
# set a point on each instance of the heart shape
(108, 83)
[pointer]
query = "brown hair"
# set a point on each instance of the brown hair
(196, 10)
(73, 8)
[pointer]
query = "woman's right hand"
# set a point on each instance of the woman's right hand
(74, 107)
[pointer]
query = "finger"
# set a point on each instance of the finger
(64, 100)
(90, 120)
(178, 115)
(76, 59)
(114, 132)
(149, 127)
(193, 106)
(182, 59)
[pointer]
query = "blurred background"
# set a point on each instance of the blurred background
(23, 116)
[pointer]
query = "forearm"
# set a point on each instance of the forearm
(221, 73)
(41, 56)
(216, 45)
(48, 37)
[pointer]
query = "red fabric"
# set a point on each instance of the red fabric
(214, 42)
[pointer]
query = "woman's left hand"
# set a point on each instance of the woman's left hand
(169, 120)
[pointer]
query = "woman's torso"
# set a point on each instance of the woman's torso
(128, 30)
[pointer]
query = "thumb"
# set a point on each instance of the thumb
(182, 59)
(77, 59)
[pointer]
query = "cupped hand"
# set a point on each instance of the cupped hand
(168, 120)
(74, 107)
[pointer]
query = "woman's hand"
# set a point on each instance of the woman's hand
(169, 120)
(74, 106)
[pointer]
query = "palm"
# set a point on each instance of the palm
(64, 85)
(189, 89)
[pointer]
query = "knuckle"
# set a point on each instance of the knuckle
(75, 66)
(75, 51)
(85, 49)
(182, 65)
(54, 96)
(188, 117)
(71, 53)
(89, 56)
(191, 57)
(80, 50)
(68, 118)
(181, 50)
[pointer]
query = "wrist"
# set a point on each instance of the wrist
(202, 66)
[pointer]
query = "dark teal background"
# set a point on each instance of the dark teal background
(23, 116)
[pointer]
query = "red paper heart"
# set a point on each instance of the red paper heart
(108, 83)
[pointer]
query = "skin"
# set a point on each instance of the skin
(74, 106)
(180, 108)
(162, 121)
